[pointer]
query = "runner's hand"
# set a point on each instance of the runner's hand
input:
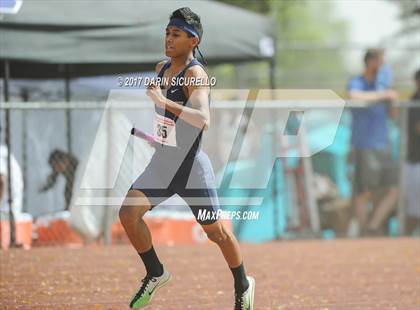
(154, 92)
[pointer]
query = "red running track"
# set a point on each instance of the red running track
(336, 274)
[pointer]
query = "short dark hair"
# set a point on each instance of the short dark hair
(372, 53)
(56, 156)
(417, 75)
(190, 18)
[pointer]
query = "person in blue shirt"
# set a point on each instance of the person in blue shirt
(375, 170)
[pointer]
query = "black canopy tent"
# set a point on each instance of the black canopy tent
(48, 38)
(62, 39)
(67, 39)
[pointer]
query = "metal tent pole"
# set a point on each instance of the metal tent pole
(67, 95)
(9, 159)
(25, 97)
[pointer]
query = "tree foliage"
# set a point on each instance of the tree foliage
(308, 37)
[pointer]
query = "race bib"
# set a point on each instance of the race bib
(165, 132)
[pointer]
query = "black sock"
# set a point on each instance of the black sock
(239, 276)
(150, 260)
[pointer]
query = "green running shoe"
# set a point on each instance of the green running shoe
(245, 301)
(149, 287)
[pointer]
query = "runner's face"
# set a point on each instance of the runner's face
(177, 42)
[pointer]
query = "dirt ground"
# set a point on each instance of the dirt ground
(336, 274)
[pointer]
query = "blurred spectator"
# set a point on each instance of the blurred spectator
(374, 168)
(65, 164)
(16, 181)
(412, 167)
(334, 210)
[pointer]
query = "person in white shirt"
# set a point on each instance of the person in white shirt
(16, 184)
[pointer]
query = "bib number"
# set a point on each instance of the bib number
(165, 131)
